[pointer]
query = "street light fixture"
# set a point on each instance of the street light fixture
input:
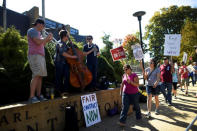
(139, 15)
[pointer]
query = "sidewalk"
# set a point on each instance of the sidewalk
(171, 118)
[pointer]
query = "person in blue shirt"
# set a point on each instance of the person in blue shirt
(91, 60)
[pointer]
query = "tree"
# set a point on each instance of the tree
(167, 21)
(189, 39)
(105, 52)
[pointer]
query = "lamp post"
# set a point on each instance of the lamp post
(139, 15)
(4, 16)
(43, 9)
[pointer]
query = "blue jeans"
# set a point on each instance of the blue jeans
(62, 76)
(195, 78)
(168, 95)
(128, 99)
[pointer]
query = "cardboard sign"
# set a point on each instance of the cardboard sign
(90, 109)
(185, 57)
(118, 53)
(172, 44)
(137, 51)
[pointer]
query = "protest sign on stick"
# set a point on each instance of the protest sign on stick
(118, 53)
(137, 52)
(172, 44)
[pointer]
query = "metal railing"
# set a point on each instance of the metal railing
(190, 125)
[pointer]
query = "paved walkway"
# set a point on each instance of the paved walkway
(171, 118)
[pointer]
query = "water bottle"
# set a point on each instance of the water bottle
(95, 50)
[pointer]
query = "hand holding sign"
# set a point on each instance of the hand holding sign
(137, 52)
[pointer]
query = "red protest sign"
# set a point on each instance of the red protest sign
(118, 53)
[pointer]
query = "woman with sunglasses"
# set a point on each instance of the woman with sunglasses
(129, 93)
(152, 75)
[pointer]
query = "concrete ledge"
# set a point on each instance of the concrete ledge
(50, 115)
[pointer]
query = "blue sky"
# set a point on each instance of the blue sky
(114, 17)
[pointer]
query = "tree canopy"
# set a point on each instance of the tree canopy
(167, 21)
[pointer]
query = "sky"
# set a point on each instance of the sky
(98, 17)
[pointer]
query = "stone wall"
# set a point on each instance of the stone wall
(50, 115)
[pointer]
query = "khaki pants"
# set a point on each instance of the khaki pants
(37, 65)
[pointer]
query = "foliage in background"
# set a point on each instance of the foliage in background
(13, 50)
(189, 40)
(167, 21)
(117, 66)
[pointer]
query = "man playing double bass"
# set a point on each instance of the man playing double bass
(91, 60)
(62, 67)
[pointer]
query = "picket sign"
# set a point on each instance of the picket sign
(117, 53)
(172, 44)
(137, 52)
(90, 109)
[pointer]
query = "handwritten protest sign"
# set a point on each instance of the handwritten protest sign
(137, 52)
(90, 109)
(172, 44)
(118, 53)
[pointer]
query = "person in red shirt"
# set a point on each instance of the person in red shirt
(166, 80)
(184, 77)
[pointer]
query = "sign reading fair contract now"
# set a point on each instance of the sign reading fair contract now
(172, 44)
(118, 53)
(90, 109)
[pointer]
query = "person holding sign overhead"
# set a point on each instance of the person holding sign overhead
(152, 75)
(129, 93)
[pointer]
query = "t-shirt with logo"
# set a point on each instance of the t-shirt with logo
(129, 88)
(33, 48)
(166, 75)
(183, 71)
(61, 47)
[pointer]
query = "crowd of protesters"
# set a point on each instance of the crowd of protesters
(163, 78)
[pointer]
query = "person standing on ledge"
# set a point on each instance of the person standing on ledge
(92, 61)
(36, 58)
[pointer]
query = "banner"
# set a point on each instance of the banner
(90, 109)
(185, 57)
(137, 51)
(172, 44)
(118, 53)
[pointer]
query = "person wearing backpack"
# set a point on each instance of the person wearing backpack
(152, 77)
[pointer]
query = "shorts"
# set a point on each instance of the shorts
(174, 85)
(37, 65)
(184, 81)
(151, 90)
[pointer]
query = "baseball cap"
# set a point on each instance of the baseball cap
(39, 21)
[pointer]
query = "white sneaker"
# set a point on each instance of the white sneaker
(148, 115)
(41, 98)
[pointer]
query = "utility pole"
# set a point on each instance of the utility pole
(4, 16)
(43, 9)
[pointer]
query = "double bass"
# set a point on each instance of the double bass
(80, 76)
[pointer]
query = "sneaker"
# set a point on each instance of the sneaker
(148, 115)
(33, 100)
(156, 112)
(41, 98)
(121, 124)
(169, 104)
